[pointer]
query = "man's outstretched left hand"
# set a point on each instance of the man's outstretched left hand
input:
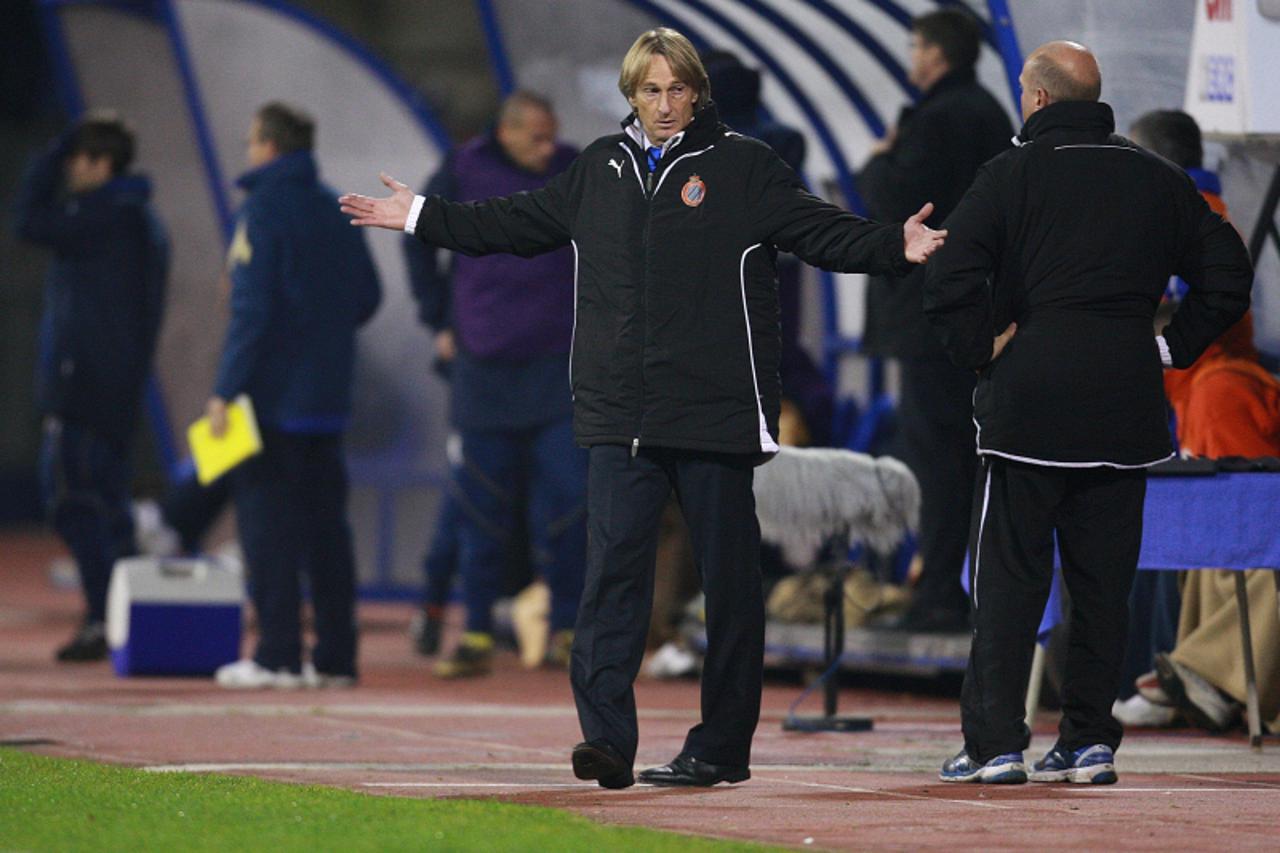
(390, 212)
(919, 240)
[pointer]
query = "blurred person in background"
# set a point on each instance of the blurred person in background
(504, 325)
(1226, 404)
(302, 282)
(932, 154)
(103, 305)
(1155, 603)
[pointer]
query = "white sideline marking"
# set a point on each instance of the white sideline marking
(450, 739)
(311, 709)
(1105, 789)
(339, 766)
(853, 789)
(440, 767)
(1199, 778)
(539, 785)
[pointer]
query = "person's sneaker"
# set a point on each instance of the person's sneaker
(1140, 713)
(151, 534)
(672, 661)
(1203, 703)
(88, 644)
(473, 657)
(1148, 686)
(248, 674)
(317, 680)
(1007, 769)
(559, 650)
(1089, 765)
(426, 628)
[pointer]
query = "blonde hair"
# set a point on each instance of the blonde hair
(680, 54)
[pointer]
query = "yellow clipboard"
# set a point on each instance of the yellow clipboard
(215, 456)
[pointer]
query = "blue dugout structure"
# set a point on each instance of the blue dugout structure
(835, 69)
(196, 71)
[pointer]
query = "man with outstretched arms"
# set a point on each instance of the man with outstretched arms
(675, 223)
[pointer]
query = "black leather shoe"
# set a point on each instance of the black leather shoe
(598, 760)
(89, 644)
(687, 770)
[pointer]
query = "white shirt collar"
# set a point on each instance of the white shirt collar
(636, 131)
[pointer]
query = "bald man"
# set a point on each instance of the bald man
(1048, 287)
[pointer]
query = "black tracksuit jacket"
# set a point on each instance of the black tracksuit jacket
(942, 142)
(676, 332)
(1074, 235)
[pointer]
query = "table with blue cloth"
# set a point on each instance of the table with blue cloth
(1222, 521)
(1225, 521)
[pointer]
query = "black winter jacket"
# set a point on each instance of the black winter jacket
(1074, 236)
(942, 141)
(104, 297)
(676, 332)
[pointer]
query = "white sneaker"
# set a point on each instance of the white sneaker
(1203, 703)
(249, 675)
(1138, 712)
(672, 661)
(151, 534)
(1148, 686)
(317, 680)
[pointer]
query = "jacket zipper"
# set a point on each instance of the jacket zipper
(644, 324)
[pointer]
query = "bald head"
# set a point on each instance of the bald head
(526, 129)
(1059, 71)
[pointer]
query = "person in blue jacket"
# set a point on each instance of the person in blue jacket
(102, 308)
(302, 282)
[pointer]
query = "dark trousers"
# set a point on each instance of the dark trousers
(1097, 516)
(85, 480)
(494, 463)
(440, 565)
(936, 441)
(191, 509)
(1154, 607)
(291, 508)
(625, 497)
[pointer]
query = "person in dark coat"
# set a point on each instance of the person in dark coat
(932, 155)
(102, 310)
(1048, 288)
(302, 282)
(505, 324)
(675, 223)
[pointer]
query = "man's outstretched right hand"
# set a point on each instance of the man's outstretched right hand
(391, 212)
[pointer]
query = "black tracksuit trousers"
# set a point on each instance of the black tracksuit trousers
(625, 498)
(935, 439)
(1097, 516)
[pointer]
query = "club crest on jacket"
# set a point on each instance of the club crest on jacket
(694, 191)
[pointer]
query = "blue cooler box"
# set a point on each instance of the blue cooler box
(173, 616)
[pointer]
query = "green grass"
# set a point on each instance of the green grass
(59, 804)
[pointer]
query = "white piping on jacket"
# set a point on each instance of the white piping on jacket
(977, 548)
(767, 444)
(573, 335)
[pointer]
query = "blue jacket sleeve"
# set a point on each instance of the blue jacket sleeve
(431, 286)
(253, 261)
(370, 292)
(74, 227)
